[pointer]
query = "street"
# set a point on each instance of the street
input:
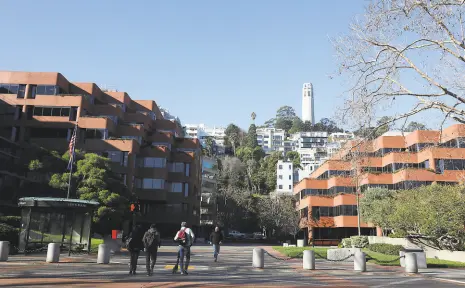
(233, 269)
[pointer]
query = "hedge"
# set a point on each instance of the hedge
(9, 233)
(387, 249)
(359, 241)
(14, 221)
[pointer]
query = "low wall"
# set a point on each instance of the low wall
(458, 256)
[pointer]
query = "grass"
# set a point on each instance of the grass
(298, 252)
(381, 259)
(95, 242)
(377, 258)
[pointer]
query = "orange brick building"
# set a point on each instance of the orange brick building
(156, 163)
(327, 199)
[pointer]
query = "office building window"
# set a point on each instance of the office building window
(186, 189)
(152, 162)
(280, 186)
(290, 177)
(32, 91)
(21, 91)
(9, 88)
(280, 167)
(51, 111)
(176, 187)
(96, 133)
(137, 182)
(47, 90)
(188, 168)
(176, 167)
(290, 187)
(280, 177)
(290, 167)
(150, 183)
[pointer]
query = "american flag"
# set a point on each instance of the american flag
(72, 144)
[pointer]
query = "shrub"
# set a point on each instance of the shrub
(398, 234)
(387, 249)
(14, 221)
(359, 241)
(346, 243)
(10, 234)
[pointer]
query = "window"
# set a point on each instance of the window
(33, 91)
(114, 156)
(177, 167)
(281, 177)
(51, 111)
(176, 187)
(152, 162)
(186, 189)
(9, 88)
(48, 133)
(290, 187)
(280, 167)
(95, 133)
(280, 186)
(137, 183)
(47, 90)
(188, 168)
(21, 91)
(290, 167)
(290, 177)
(150, 183)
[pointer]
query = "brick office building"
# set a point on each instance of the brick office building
(327, 199)
(156, 163)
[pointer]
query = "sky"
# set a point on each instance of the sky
(206, 61)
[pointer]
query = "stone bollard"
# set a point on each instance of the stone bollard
(258, 259)
(309, 260)
(4, 250)
(53, 253)
(360, 262)
(103, 256)
(411, 265)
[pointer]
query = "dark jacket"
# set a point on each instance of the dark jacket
(156, 240)
(136, 242)
(216, 237)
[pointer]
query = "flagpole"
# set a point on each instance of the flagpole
(73, 142)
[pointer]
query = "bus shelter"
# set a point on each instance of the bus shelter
(55, 220)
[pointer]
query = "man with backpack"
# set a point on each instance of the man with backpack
(185, 237)
(151, 242)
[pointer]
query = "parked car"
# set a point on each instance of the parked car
(258, 236)
(236, 234)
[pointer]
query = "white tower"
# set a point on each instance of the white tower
(307, 103)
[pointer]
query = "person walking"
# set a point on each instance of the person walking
(134, 245)
(216, 238)
(151, 242)
(185, 237)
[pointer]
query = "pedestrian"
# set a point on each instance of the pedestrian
(151, 242)
(216, 238)
(184, 237)
(134, 245)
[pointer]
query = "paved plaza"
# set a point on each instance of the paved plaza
(232, 270)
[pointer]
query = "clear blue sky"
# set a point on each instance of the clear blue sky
(207, 61)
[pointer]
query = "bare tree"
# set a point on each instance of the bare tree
(405, 49)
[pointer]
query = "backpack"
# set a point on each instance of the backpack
(183, 237)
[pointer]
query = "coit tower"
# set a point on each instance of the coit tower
(308, 113)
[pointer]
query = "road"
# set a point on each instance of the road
(233, 269)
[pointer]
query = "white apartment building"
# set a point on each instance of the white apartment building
(284, 177)
(341, 137)
(271, 139)
(202, 132)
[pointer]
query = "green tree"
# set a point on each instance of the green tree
(294, 157)
(208, 149)
(232, 136)
(286, 112)
(376, 205)
(297, 126)
(93, 180)
(433, 212)
(384, 125)
(252, 141)
(284, 124)
(414, 126)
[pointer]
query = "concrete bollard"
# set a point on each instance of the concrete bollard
(103, 256)
(258, 258)
(4, 250)
(309, 260)
(360, 262)
(411, 265)
(53, 253)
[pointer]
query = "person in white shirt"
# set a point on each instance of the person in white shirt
(185, 237)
